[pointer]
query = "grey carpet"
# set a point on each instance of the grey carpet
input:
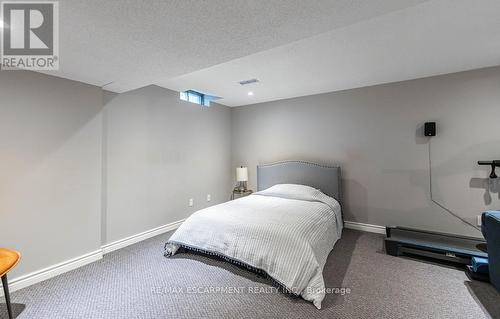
(138, 282)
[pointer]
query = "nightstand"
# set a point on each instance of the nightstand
(237, 194)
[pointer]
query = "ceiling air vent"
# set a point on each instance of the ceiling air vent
(246, 82)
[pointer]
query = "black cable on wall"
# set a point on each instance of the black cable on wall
(438, 203)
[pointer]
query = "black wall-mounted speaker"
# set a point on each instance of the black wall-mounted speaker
(430, 129)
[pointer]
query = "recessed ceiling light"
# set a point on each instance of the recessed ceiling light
(250, 93)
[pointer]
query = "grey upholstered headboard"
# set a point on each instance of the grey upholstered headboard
(325, 178)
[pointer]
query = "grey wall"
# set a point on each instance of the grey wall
(374, 134)
(50, 168)
(149, 151)
(161, 151)
(152, 152)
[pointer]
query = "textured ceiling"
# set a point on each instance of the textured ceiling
(436, 37)
(126, 44)
(293, 47)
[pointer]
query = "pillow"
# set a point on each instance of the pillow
(305, 193)
(291, 191)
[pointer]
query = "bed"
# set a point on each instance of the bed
(285, 230)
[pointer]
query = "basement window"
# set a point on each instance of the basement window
(197, 97)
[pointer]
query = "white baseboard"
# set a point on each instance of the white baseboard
(365, 227)
(140, 237)
(58, 269)
(52, 271)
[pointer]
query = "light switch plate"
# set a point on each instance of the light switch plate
(209, 197)
(191, 202)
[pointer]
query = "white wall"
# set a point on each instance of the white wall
(50, 168)
(161, 151)
(374, 133)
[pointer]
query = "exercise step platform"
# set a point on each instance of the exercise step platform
(442, 246)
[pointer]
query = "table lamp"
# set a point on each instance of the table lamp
(241, 178)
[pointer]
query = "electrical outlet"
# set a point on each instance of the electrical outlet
(209, 197)
(479, 220)
(191, 202)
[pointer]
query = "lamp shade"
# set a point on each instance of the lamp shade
(241, 174)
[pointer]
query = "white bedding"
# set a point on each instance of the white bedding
(286, 231)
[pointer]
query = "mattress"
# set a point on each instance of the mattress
(286, 231)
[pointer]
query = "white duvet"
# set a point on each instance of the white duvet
(286, 231)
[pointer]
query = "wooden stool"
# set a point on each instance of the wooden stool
(8, 260)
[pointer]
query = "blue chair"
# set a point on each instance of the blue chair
(490, 226)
